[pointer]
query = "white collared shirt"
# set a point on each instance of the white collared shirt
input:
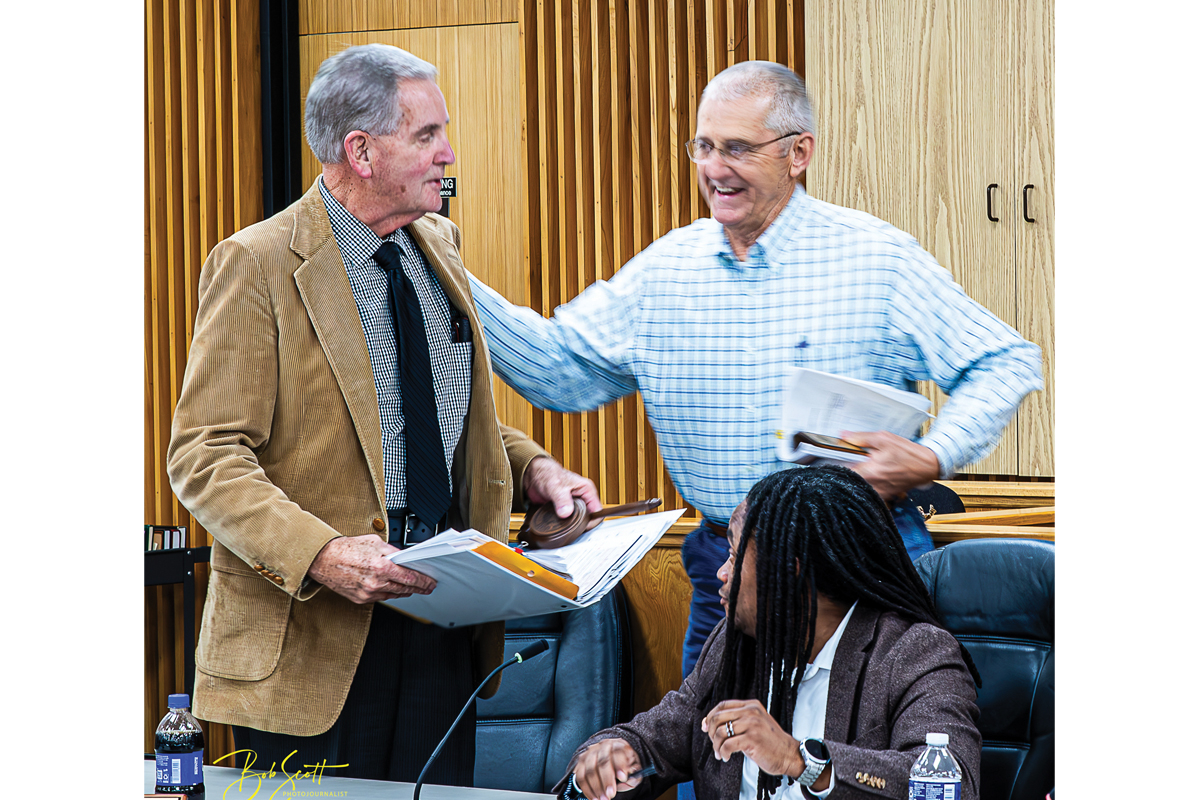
(808, 718)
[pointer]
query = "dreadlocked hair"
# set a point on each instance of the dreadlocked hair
(830, 522)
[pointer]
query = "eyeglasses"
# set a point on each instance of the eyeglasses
(699, 150)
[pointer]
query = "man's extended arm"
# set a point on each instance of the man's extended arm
(575, 361)
(985, 366)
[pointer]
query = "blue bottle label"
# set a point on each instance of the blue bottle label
(919, 789)
(179, 769)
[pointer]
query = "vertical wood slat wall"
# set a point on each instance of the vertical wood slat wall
(609, 94)
(203, 182)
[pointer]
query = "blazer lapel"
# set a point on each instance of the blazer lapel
(449, 275)
(848, 664)
(325, 290)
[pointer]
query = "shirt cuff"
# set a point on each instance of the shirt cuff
(946, 467)
(832, 783)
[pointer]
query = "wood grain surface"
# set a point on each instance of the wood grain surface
(203, 174)
(339, 16)
(1041, 515)
(920, 107)
(1034, 100)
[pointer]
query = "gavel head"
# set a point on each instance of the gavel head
(545, 530)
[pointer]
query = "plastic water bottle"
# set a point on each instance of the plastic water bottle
(179, 751)
(936, 775)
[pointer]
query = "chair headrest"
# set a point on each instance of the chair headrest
(999, 587)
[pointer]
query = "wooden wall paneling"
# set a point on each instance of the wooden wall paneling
(360, 16)
(697, 78)
(715, 41)
(556, 269)
(548, 154)
(203, 174)
(633, 446)
(738, 30)
(659, 595)
(797, 45)
(156, 224)
(1034, 99)
(245, 114)
(567, 426)
(914, 119)
(602, 198)
(759, 41)
(207, 154)
(586, 110)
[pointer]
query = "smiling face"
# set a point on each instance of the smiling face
(408, 165)
(747, 195)
(745, 618)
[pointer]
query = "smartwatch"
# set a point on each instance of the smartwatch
(815, 756)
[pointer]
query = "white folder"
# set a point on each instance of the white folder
(476, 583)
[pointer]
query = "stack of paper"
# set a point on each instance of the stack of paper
(481, 580)
(818, 402)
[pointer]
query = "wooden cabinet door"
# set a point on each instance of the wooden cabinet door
(1034, 100)
(916, 116)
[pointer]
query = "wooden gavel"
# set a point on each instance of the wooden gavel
(544, 529)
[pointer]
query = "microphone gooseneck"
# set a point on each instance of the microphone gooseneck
(535, 649)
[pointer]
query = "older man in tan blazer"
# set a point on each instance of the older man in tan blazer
(288, 446)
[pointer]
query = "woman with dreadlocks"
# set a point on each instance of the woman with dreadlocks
(829, 669)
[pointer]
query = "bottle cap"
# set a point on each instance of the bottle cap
(937, 739)
(177, 701)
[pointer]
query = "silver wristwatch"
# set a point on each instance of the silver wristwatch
(815, 755)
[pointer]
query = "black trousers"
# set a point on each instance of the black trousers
(411, 682)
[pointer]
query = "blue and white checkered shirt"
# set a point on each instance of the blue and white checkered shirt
(703, 336)
(451, 361)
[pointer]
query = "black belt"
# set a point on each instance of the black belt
(406, 529)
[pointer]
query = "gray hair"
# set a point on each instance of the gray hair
(788, 110)
(357, 90)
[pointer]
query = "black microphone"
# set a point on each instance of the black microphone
(535, 649)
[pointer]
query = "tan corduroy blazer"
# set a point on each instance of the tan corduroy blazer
(276, 449)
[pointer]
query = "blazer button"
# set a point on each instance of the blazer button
(277, 579)
(378, 524)
(259, 567)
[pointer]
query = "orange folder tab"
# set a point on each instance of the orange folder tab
(527, 568)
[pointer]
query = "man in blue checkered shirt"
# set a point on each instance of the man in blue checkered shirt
(704, 321)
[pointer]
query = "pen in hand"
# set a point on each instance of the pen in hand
(641, 773)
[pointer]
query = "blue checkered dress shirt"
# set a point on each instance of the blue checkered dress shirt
(704, 336)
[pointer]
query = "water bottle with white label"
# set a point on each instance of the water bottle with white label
(179, 751)
(936, 775)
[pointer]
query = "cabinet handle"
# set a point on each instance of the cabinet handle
(1025, 210)
(991, 186)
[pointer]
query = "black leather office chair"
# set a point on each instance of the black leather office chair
(526, 733)
(997, 597)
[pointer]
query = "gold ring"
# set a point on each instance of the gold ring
(729, 728)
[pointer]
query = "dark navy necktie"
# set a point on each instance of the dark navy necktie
(428, 483)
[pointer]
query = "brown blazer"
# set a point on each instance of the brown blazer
(891, 683)
(276, 449)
